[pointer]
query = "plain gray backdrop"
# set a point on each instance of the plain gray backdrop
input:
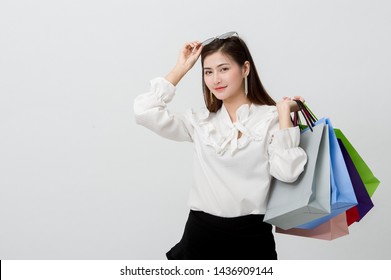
(80, 180)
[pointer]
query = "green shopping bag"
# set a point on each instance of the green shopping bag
(370, 181)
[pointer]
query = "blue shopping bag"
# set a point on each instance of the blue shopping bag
(342, 192)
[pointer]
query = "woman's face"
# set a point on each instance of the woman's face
(223, 76)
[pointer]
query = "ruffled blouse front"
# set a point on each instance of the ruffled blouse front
(233, 161)
(219, 132)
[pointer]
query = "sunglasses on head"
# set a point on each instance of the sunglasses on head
(223, 36)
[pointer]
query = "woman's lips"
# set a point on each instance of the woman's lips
(219, 88)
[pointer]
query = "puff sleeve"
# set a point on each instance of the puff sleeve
(150, 111)
(286, 158)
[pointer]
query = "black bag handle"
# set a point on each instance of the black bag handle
(309, 117)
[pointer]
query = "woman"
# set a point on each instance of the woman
(242, 138)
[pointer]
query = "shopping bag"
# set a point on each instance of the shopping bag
(370, 181)
(334, 228)
(352, 215)
(308, 198)
(363, 199)
(342, 192)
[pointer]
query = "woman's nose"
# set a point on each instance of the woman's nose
(216, 79)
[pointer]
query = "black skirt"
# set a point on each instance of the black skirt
(208, 237)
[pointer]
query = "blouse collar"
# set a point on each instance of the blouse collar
(221, 133)
(242, 114)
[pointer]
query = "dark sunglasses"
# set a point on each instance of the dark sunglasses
(223, 36)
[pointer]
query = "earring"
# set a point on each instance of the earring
(245, 85)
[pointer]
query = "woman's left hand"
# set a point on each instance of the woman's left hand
(288, 102)
(285, 107)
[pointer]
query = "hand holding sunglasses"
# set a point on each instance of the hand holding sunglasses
(188, 56)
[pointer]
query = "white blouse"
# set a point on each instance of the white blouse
(231, 175)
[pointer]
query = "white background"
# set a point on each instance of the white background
(80, 180)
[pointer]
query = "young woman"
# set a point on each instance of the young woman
(241, 139)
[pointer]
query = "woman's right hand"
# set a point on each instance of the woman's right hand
(188, 57)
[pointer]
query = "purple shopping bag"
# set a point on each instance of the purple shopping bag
(364, 202)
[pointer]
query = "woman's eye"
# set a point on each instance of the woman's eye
(208, 72)
(224, 69)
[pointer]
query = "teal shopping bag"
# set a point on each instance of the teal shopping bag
(308, 198)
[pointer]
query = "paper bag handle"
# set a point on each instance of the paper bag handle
(309, 117)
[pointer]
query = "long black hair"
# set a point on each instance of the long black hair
(237, 49)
